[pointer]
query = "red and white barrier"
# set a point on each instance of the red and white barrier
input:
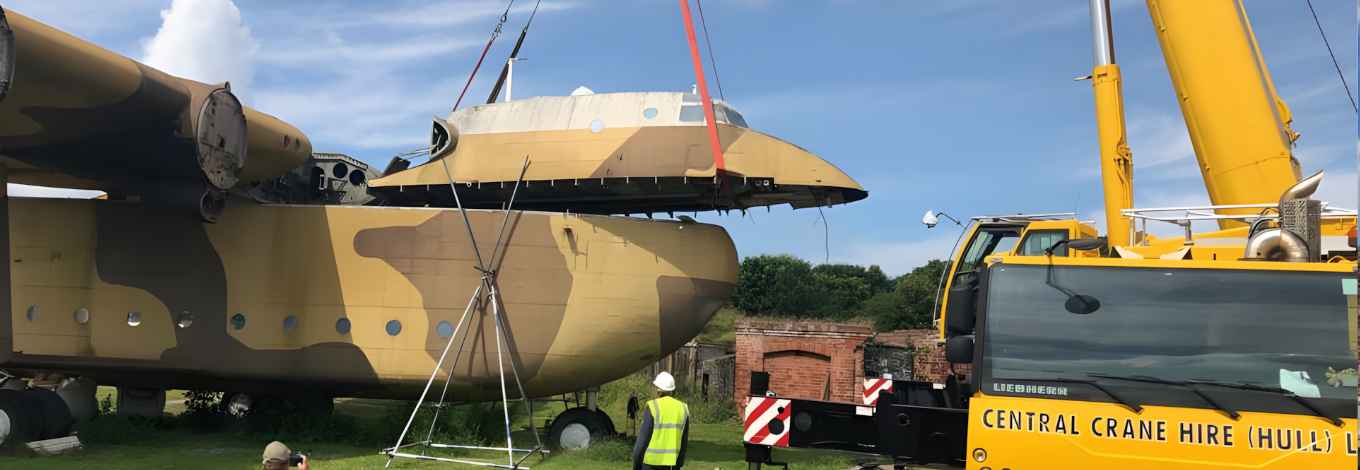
(872, 387)
(767, 421)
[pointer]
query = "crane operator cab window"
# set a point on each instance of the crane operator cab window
(1037, 243)
(988, 241)
(1250, 340)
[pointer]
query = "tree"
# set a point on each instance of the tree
(775, 284)
(872, 277)
(838, 297)
(909, 304)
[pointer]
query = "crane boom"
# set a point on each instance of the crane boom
(1238, 125)
(1116, 160)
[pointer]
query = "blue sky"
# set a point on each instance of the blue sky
(965, 106)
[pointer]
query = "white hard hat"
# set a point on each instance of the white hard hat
(665, 382)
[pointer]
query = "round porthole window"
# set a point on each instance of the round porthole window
(134, 318)
(596, 125)
(289, 323)
(82, 315)
(32, 313)
(238, 321)
(393, 328)
(445, 329)
(649, 113)
(342, 326)
(340, 170)
(185, 319)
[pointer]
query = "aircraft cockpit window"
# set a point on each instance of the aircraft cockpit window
(726, 114)
(692, 113)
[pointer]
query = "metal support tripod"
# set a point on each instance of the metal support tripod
(486, 294)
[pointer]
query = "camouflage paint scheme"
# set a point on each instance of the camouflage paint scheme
(77, 115)
(143, 294)
(588, 298)
(615, 153)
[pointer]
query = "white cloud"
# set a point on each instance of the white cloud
(336, 50)
(900, 257)
(204, 40)
(448, 13)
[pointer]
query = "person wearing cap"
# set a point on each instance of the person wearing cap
(276, 457)
(664, 433)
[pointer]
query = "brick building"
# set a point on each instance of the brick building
(929, 364)
(805, 359)
(826, 360)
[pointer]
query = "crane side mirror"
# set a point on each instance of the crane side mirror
(1082, 244)
(1081, 304)
(961, 307)
(959, 349)
(1085, 244)
(930, 219)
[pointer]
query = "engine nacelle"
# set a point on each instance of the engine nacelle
(89, 118)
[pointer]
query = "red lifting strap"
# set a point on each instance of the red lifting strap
(713, 142)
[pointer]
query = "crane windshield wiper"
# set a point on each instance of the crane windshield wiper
(1136, 408)
(1336, 421)
(1231, 413)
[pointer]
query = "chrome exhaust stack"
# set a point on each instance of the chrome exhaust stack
(1298, 238)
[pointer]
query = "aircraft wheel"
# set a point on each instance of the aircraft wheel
(56, 417)
(18, 421)
(79, 395)
(576, 429)
(238, 405)
(608, 423)
(142, 402)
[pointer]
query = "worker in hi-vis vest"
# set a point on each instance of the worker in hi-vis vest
(662, 438)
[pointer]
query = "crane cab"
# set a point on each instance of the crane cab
(1016, 234)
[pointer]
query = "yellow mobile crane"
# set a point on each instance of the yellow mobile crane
(1229, 349)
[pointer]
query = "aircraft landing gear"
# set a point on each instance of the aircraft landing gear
(145, 402)
(577, 428)
(79, 395)
(31, 415)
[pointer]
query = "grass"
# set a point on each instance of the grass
(722, 328)
(118, 443)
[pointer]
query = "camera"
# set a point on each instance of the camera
(294, 458)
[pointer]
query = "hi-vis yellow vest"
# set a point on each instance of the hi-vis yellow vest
(668, 428)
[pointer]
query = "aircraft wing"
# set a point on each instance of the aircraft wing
(78, 115)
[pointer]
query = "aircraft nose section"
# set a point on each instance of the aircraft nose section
(704, 278)
(686, 306)
(801, 178)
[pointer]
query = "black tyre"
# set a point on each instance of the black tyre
(608, 423)
(56, 417)
(19, 422)
(577, 428)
